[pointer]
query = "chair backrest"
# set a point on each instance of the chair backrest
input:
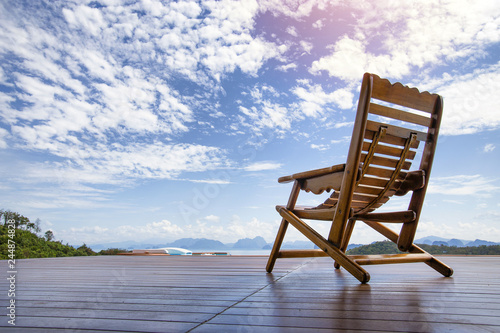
(391, 121)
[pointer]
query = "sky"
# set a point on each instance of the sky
(158, 120)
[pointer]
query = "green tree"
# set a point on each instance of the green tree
(385, 247)
(19, 220)
(112, 252)
(28, 243)
(49, 235)
(85, 249)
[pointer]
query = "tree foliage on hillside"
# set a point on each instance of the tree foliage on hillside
(468, 250)
(385, 247)
(20, 221)
(30, 245)
(388, 247)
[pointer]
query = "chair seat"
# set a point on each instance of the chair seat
(326, 214)
(311, 213)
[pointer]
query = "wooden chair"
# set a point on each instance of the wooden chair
(391, 121)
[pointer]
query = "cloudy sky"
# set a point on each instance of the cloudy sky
(136, 120)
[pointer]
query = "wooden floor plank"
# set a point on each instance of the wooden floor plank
(468, 318)
(401, 308)
(350, 324)
(230, 294)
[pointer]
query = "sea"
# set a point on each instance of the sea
(238, 252)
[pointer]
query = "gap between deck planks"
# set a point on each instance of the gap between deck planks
(217, 294)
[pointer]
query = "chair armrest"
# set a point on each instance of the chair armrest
(413, 181)
(319, 180)
(312, 173)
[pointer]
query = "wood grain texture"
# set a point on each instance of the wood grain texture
(235, 294)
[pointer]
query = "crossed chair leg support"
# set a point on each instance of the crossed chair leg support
(328, 248)
(351, 263)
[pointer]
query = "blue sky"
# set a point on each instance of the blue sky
(139, 120)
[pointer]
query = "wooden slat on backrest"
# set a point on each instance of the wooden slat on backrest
(401, 115)
(389, 139)
(386, 162)
(391, 155)
(388, 150)
(383, 173)
(402, 95)
(397, 131)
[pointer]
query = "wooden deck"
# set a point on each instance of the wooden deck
(235, 294)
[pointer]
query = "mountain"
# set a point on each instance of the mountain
(439, 243)
(430, 239)
(127, 245)
(259, 243)
(456, 242)
(353, 246)
(250, 244)
(198, 244)
(434, 240)
(298, 245)
(479, 242)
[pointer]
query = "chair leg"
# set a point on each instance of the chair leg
(436, 264)
(347, 237)
(283, 226)
(393, 236)
(277, 245)
(352, 267)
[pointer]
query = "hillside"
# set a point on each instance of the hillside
(30, 245)
(387, 247)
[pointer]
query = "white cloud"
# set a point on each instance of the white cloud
(234, 230)
(292, 8)
(85, 18)
(426, 34)
(262, 166)
(3, 77)
(348, 61)
(285, 68)
(210, 227)
(469, 230)
(313, 102)
(463, 185)
(319, 147)
(83, 85)
(210, 181)
(315, 99)
(470, 101)
(3, 134)
(292, 31)
(343, 124)
(489, 148)
(226, 42)
(318, 24)
(306, 46)
(95, 234)
(118, 164)
(266, 114)
(212, 218)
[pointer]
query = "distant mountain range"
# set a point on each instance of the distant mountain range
(433, 240)
(259, 243)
